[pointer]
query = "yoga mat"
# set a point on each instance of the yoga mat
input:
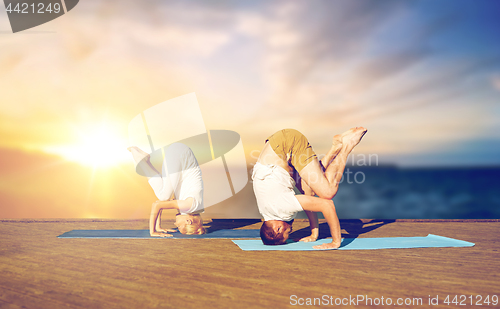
(430, 241)
(135, 234)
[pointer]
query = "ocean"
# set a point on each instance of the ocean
(389, 192)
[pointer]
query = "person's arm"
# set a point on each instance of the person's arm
(313, 222)
(158, 224)
(311, 215)
(158, 221)
(312, 203)
(154, 218)
(333, 222)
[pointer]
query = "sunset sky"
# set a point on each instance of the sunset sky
(422, 76)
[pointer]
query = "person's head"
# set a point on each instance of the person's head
(190, 224)
(275, 232)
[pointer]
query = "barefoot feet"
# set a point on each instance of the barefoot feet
(352, 137)
(336, 144)
(138, 154)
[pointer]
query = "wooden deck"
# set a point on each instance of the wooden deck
(38, 270)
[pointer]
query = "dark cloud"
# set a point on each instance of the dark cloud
(333, 31)
(438, 87)
(386, 66)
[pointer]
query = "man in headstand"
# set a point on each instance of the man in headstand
(179, 186)
(287, 151)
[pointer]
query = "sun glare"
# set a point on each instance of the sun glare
(96, 146)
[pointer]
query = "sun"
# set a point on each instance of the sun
(96, 146)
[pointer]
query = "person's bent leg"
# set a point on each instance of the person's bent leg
(325, 162)
(333, 151)
(311, 203)
(164, 184)
(306, 190)
(142, 159)
(325, 185)
(335, 169)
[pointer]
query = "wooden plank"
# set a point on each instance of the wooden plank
(39, 270)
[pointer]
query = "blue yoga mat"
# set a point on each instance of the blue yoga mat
(135, 234)
(430, 241)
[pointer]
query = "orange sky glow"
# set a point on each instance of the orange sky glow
(70, 87)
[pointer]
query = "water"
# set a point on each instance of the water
(424, 193)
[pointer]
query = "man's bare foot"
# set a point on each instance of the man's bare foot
(138, 154)
(336, 144)
(328, 246)
(352, 137)
(310, 238)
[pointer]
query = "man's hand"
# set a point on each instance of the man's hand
(158, 234)
(310, 238)
(331, 245)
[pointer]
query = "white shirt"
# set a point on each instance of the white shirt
(181, 175)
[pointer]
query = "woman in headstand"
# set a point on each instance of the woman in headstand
(179, 186)
(288, 151)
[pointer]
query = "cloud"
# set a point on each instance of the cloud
(127, 27)
(406, 70)
(107, 60)
(386, 66)
(325, 32)
(495, 81)
(336, 66)
(256, 66)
